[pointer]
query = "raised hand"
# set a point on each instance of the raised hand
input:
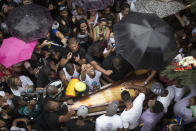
(69, 55)
(77, 59)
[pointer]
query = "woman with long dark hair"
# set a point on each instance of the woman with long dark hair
(83, 33)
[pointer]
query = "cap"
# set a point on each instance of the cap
(193, 109)
(82, 111)
(112, 108)
(157, 88)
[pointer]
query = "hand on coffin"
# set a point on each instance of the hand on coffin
(127, 85)
(139, 84)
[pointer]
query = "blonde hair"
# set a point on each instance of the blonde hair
(72, 40)
(11, 81)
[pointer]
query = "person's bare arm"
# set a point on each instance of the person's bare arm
(64, 61)
(148, 79)
(130, 85)
(83, 72)
(182, 22)
(99, 68)
(107, 34)
(117, 18)
(91, 32)
(63, 78)
(44, 43)
(66, 117)
(151, 76)
(94, 35)
(61, 37)
(14, 123)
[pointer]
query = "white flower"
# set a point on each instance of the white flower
(186, 61)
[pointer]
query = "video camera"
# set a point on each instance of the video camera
(32, 96)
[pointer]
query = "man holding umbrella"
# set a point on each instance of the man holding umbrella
(145, 41)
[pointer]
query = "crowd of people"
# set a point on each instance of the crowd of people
(81, 45)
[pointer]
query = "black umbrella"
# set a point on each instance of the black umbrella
(144, 40)
(29, 22)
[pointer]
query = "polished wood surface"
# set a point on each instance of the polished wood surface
(104, 97)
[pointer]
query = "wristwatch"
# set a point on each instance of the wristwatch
(145, 83)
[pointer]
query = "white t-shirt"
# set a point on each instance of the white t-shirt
(92, 82)
(68, 76)
(108, 123)
(179, 93)
(131, 118)
(14, 128)
(26, 81)
(168, 99)
(18, 91)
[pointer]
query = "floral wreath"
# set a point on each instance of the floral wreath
(187, 63)
(184, 71)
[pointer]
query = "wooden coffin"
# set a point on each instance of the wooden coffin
(98, 101)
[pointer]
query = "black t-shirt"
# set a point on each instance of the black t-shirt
(4, 87)
(84, 40)
(51, 120)
(117, 74)
(89, 57)
(88, 126)
(81, 51)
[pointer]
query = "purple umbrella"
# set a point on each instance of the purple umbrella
(29, 22)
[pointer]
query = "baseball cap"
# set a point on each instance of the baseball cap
(112, 108)
(82, 111)
(157, 88)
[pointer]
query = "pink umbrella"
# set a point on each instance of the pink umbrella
(13, 51)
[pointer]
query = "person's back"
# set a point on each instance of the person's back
(110, 121)
(82, 123)
(131, 115)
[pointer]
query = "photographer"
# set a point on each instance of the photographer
(54, 91)
(28, 108)
(55, 115)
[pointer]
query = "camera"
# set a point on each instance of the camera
(32, 96)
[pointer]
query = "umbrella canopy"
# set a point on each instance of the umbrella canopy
(87, 5)
(144, 40)
(29, 22)
(13, 51)
(162, 8)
